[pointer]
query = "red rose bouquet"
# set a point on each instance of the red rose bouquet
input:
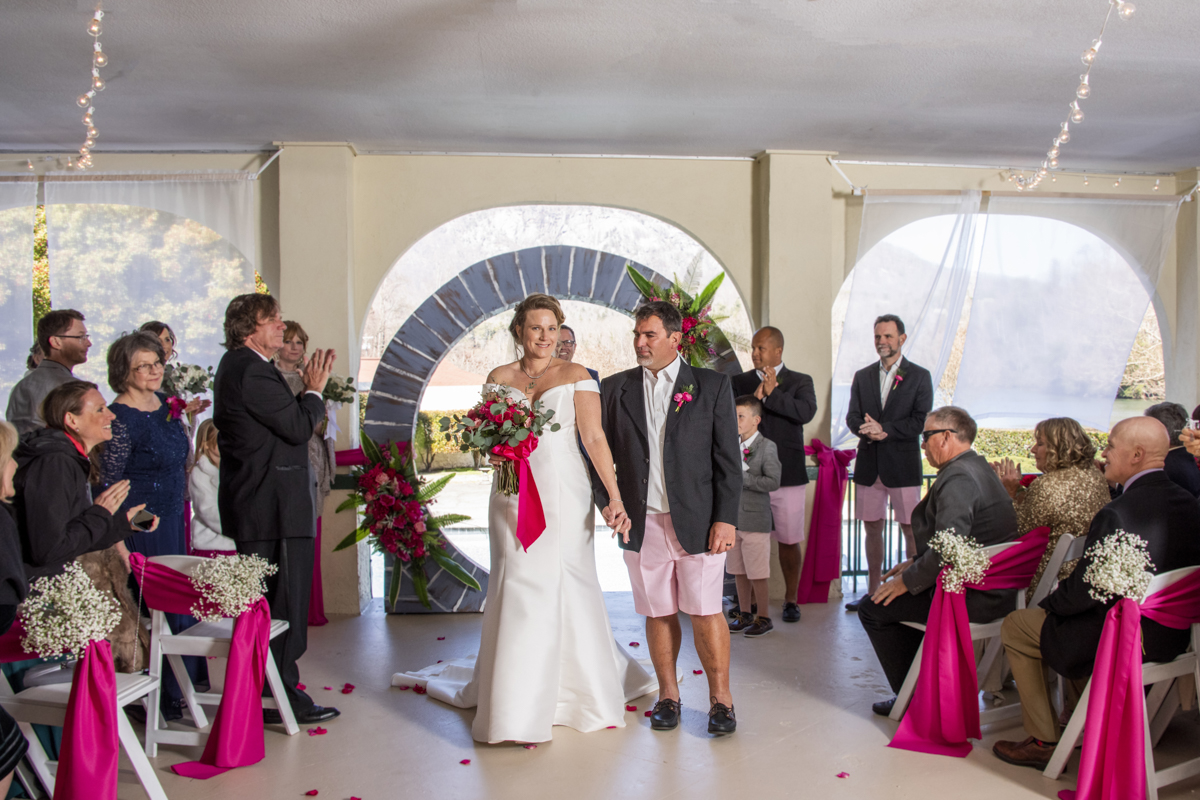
(499, 424)
(395, 515)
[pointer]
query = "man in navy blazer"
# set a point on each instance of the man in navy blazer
(263, 495)
(888, 403)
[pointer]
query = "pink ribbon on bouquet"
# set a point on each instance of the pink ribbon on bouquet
(531, 519)
(1112, 765)
(823, 552)
(87, 762)
(944, 711)
(236, 738)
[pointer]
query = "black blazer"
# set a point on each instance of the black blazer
(56, 519)
(13, 584)
(1168, 518)
(968, 497)
(702, 457)
(786, 411)
(897, 459)
(263, 431)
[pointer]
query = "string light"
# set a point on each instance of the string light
(1083, 91)
(88, 99)
(1156, 182)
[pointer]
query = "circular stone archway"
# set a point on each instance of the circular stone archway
(476, 294)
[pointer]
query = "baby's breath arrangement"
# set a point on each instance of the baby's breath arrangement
(1120, 567)
(64, 612)
(228, 585)
(968, 563)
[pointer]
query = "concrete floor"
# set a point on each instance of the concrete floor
(802, 694)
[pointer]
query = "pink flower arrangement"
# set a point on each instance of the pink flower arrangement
(701, 335)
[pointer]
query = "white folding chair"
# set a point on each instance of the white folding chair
(47, 705)
(209, 640)
(980, 631)
(1155, 713)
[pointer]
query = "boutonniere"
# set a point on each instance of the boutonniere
(746, 454)
(899, 376)
(175, 407)
(684, 397)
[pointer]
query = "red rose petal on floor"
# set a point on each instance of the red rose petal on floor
(348, 688)
(311, 793)
(439, 661)
(419, 689)
(697, 672)
(531, 747)
(631, 708)
(301, 686)
(647, 714)
(465, 761)
(611, 727)
(441, 638)
(404, 688)
(635, 644)
(327, 688)
(317, 731)
(843, 774)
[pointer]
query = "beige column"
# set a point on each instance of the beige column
(793, 284)
(316, 288)
(1182, 384)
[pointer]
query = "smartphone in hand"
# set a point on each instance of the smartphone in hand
(143, 520)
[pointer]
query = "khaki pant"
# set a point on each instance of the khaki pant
(1021, 634)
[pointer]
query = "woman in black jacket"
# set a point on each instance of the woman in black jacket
(57, 518)
(13, 589)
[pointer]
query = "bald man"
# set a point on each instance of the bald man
(1064, 632)
(789, 403)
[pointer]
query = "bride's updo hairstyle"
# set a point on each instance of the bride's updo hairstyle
(534, 302)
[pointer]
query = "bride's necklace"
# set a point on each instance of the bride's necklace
(533, 378)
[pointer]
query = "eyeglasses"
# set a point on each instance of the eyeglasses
(568, 342)
(79, 336)
(146, 369)
(927, 435)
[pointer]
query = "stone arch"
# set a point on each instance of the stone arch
(475, 294)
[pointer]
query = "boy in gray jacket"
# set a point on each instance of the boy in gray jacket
(750, 559)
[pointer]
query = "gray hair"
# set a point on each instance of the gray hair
(672, 320)
(957, 420)
(1173, 416)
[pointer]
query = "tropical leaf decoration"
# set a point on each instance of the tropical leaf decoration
(395, 500)
(703, 340)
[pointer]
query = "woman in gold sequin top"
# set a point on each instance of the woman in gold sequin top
(1068, 493)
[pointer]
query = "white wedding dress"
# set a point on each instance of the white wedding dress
(547, 655)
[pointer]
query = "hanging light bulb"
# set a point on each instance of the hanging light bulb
(1084, 91)
(99, 58)
(83, 101)
(1076, 113)
(92, 132)
(95, 29)
(1053, 178)
(1052, 152)
(87, 118)
(83, 151)
(98, 83)
(88, 142)
(1156, 180)
(1117, 182)
(1053, 163)
(1085, 180)
(1125, 9)
(29, 166)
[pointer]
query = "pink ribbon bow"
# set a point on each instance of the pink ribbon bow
(531, 519)
(944, 711)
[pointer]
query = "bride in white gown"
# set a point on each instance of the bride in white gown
(547, 654)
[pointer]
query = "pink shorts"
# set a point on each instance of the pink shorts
(870, 502)
(787, 507)
(666, 578)
(750, 556)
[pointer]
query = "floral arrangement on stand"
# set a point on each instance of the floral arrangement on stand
(229, 585)
(500, 424)
(64, 612)
(965, 557)
(395, 516)
(703, 338)
(1120, 566)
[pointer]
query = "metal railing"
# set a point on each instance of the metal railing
(854, 556)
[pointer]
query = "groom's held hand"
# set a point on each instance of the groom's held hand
(721, 537)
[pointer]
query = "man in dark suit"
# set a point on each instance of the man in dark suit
(789, 403)
(673, 432)
(263, 495)
(1064, 632)
(966, 497)
(888, 404)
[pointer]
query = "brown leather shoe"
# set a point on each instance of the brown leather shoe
(1029, 753)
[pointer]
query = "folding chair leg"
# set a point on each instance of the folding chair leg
(1163, 715)
(189, 691)
(904, 696)
(1066, 743)
(29, 783)
(282, 703)
(1151, 778)
(141, 765)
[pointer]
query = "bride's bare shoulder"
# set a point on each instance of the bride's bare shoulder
(502, 374)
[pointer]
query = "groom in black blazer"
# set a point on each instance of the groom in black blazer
(673, 433)
(263, 495)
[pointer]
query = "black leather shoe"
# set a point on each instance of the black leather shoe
(665, 716)
(720, 718)
(791, 612)
(884, 707)
(854, 604)
(312, 715)
(738, 622)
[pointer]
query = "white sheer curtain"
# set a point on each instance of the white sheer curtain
(18, 203)
(916, 254)
(1062, 289)
(131, 248)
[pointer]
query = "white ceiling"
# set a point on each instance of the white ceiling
(956, 81)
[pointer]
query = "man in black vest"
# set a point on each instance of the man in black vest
(789, 403)
(674, 435)
(263, 495)
(888, 403)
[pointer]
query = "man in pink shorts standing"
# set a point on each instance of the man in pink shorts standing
(674, 437)
(888, 403)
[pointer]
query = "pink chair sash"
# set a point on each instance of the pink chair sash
(316, 598)
(87, 762)
(236, 738)
(1112, 765)
(823, 552)
(944, 712)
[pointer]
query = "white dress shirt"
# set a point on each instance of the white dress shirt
(746, 446)
(886, 378)
(656, 394)
(762, 376)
